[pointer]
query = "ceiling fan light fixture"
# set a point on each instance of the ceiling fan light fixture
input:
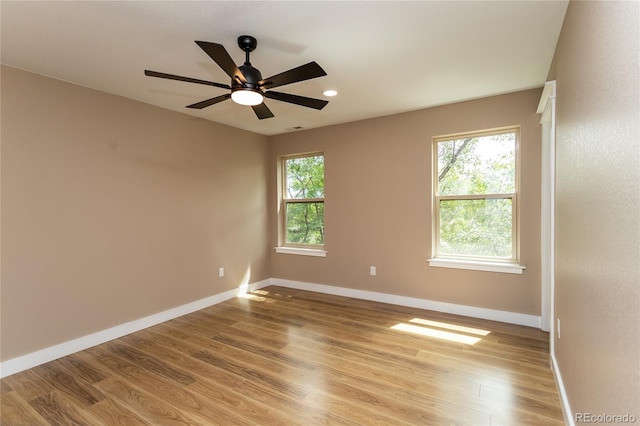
(247, 97)
(247, 85)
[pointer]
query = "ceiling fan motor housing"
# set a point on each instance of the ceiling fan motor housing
(252, 77)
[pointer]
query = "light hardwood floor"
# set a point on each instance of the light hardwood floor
(290, 357)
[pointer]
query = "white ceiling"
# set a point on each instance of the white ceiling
(383, 57)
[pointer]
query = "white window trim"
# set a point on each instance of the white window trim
(283, 246)
(510, 266)
(301, 251)
(504, 267)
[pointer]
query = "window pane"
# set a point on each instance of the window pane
(305, 223)
(476, 227)
(477, 165)
(305, 177)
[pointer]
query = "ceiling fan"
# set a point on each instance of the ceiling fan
(247, 85)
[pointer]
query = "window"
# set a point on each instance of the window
(475, 196)
(303, 201)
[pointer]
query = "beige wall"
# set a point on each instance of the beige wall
(598, 207)
(113, 210)
(378, 205)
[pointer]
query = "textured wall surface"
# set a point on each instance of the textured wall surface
(113, 210)
(597, 207)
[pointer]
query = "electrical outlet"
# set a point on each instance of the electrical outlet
(221, 272)
(558, 328)
(372, 270)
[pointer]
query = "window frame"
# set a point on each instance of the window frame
(477, 262)
(285, 246)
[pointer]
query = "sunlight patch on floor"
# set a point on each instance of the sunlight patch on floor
(460, 328)
(442, 331)
(259, 296)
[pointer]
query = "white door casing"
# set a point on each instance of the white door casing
(547, 109)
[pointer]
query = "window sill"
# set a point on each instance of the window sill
(507, 268)
(301, 251)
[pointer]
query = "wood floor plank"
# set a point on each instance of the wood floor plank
(4, 387)
(248, 373)
(65, 383)
(150, 363)
(80, 368)
(16, 411)
(149, 406)
(507, 405)
(297, 412)
(350, 410)
(168, 391)
(28, 385)
(56, 409)
(110, 413)
(231, 406)
(282, 356)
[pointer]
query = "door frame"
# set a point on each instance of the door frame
(547, 109)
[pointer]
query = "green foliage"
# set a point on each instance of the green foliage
(305, 223)
(305, 177)
(468, 169)
(304, 202)
(482, 165)
(476, 227)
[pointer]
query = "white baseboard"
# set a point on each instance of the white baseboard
(564, 401)
(464, 310)
(21, 363)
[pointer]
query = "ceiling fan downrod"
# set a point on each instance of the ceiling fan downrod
(252, 75)
(248, 44)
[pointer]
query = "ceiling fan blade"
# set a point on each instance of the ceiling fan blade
(219, 54)
(209, 102)
(262, 111)
(298, 100)
(301, 73)
(187, 79)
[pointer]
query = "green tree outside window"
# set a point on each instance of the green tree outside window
(475, 195)
(304, 200)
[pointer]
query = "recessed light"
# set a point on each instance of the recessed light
(329, 93)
